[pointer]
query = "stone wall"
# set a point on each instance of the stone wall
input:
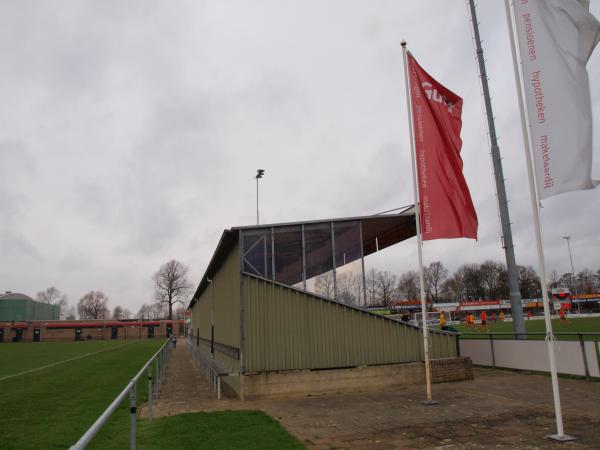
(302, 383)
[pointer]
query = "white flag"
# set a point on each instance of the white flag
(556, 39)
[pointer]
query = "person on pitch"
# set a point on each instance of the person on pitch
(443, 321)
(483, 320)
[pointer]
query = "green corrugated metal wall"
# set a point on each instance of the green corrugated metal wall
(226, 284)
(24, 309)
(287, 329)
(45, 311)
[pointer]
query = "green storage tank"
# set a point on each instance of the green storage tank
(20, 307)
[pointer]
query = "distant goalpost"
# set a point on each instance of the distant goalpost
(433, 318)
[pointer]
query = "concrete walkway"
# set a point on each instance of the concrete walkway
(185, 388)
(498, 409)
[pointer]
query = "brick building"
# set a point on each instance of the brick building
(80, 330)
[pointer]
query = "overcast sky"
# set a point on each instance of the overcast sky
(130, 133)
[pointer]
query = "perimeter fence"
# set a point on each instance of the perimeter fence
(577, 353)
(159, 360)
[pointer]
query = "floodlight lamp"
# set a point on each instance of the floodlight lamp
(260, 173)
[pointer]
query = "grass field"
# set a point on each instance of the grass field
(52, 407)
(575, 325)
(22, 357)
(221, 430)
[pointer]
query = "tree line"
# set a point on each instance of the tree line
(171, 291)
(478, 281)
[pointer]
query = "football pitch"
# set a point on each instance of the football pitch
(575, 325)
(51, 393)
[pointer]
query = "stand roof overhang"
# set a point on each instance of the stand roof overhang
(378, 232)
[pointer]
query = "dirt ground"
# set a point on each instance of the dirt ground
(498, 409)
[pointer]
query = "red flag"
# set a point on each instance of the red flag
(446, 207)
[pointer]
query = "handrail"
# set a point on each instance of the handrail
(161, 356)
(208, 366)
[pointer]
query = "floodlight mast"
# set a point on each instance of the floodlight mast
(507, 241)
(259, 174)
(568, 239)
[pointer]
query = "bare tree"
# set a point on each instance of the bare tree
(346, 288)
(386, 288)
(120, 313)
(529, 282)
(357, 281)
(180, 312)
(435, 275)
(586, 281)
(158, 311)
(50, 295)
(371, 286)
(494, 279)
(70, 313)
(452, 289)
(408, 285)
(554, 280)
(93, 305)
(144, 312)
(324, 284)
(469, 276)
(171, 284)
(54, 296)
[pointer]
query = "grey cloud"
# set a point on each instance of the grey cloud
(76, 261)
(18, 251)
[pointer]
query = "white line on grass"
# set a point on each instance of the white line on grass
(62, 362)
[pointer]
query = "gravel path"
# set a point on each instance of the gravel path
(498, 409)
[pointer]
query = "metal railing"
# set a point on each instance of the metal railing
(537, 334)
(567, 336)
(161, 357)
(209, 366)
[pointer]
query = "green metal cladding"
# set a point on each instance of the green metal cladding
(23, 309)
(288, 329)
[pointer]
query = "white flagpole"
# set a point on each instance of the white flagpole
(550, 339)
(429, 400)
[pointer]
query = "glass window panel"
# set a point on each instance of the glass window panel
(288, 254)
(347, 242)
(322, 284)
(349, 281)
(317, 242)
(257, 252)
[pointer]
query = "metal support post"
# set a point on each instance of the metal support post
(162, 366)
(156, 383)
(303, 259)
(133, 415)
(362, 262)
(333, 262)
(492, 349)
(457, 342)
(583, 354)
(150, 391)
(272, 253)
